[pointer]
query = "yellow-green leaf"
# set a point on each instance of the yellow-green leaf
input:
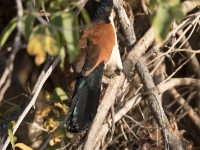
(70, 23)
(13, 138)
(7, 31)
(62, 57)
(161, 23)
(39, 44)
(23, 146)
(59, 94)
(85, 16)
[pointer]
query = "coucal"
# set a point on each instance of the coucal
(95, 48)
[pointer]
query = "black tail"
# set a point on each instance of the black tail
(85, 100)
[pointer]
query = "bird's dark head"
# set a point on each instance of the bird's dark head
(104, 10)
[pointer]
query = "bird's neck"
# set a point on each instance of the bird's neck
(104, 11)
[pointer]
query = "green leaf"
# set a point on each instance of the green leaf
(161, 22)
(7, 31)
(177, 12)
(38, 29)
(69, 24)
(13, 138)
(69, 135)
(152, 5)
(62, 57)
(166, 12)
(85, 16)
(58, 5)
(39, 44)
(28, 22)
(59, 94)
(60, 43)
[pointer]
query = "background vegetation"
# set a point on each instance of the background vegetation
(34, 34)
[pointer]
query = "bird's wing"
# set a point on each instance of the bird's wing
(94, 47)
(99, 49)
(80, 59)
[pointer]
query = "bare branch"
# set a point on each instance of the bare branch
(181, 101)
(32, 102)
(125, 22)
(175, 82)
(127, 107)
(7, 75)
(156, 106)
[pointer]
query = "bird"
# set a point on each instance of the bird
(96, 45)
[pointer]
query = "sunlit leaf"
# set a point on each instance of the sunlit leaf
(63, 107)
(23, 146)
(13, 138)
(62, 57)
(36, 48)
(69, 135)
(50, 125)
(39, 44)
(59, 94)
(7, 31)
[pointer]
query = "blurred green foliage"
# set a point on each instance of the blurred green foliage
(13, 138)
(58, 24)
(164, 12)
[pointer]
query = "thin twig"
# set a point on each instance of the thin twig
(7, 75)
(32, 102)
(128, 105)
(122, 129)
(130, 129)
(113, 122)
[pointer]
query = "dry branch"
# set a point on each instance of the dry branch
(141, 46)
(189, 5)
(5, 80)
(174, 82)
(106, 126)
(193, 63)
(182, 102)
(125, 22)
(156, 106)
